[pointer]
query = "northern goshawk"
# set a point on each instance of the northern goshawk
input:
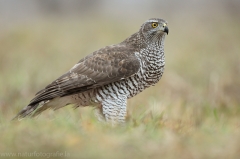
(109, 76)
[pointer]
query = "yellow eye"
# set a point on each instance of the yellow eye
(154, 25)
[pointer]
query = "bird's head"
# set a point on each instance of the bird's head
(154, 29)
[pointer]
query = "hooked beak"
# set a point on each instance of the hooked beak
(166, 30)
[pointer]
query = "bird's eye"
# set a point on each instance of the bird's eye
(154, 25)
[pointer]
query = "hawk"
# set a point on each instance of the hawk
(109, 76)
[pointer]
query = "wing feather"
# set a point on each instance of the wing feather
(102, 67)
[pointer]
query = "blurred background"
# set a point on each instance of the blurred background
(193, 110)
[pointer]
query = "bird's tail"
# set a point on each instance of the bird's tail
(35, 109)
(31, 111)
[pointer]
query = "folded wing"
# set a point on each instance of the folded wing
(107, 65)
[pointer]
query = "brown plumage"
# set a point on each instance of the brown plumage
(108, 77)
(104, 66)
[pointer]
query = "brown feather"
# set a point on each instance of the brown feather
(104, 66)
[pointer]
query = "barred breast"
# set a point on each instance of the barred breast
(152, 60)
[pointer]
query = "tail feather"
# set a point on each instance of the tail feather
(29, 111)
(36, 109)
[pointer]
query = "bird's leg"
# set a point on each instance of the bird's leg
(115, 110)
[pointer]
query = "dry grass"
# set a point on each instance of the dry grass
(193, 112)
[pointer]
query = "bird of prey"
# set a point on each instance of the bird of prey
(109, 76)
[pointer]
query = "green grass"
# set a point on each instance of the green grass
(193, 112)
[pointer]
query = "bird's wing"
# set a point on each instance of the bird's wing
(109, 64)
